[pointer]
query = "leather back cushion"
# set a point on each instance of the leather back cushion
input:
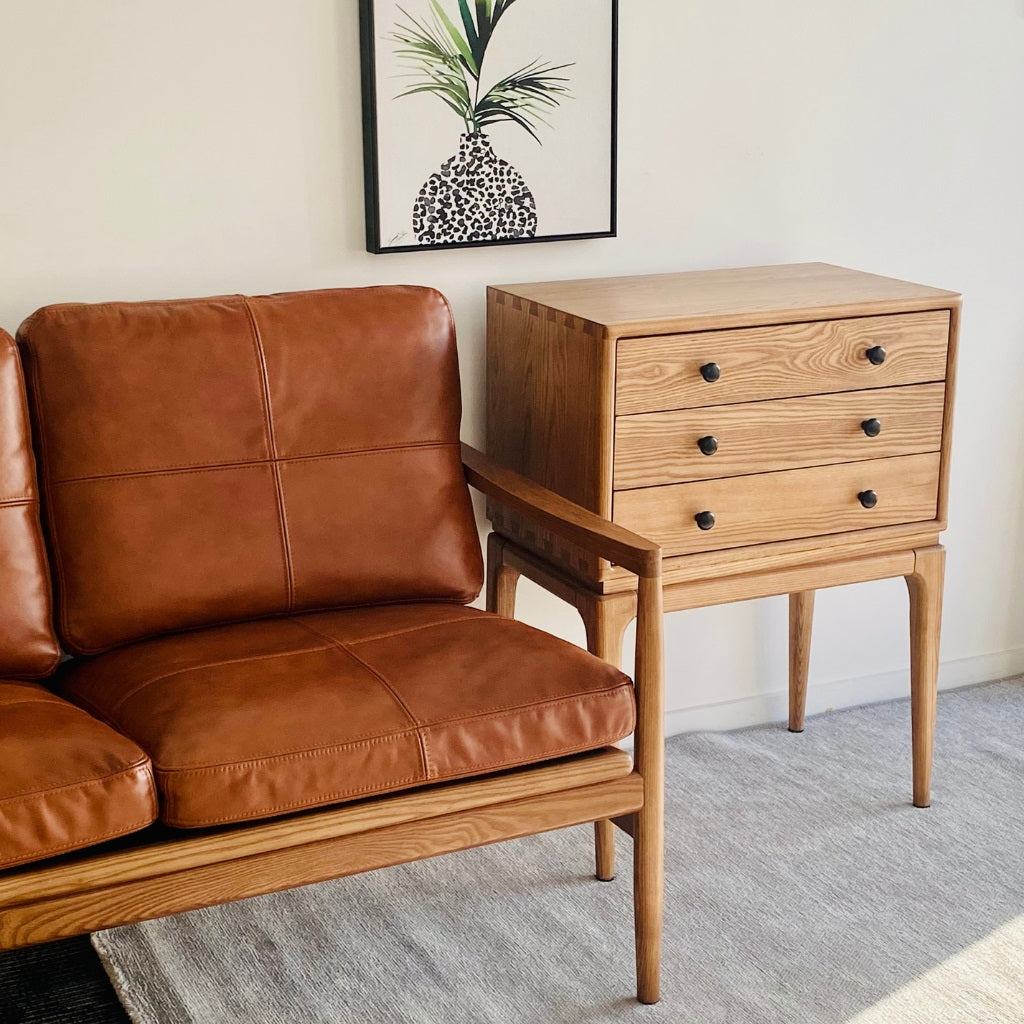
(28, 647)
(214, 460)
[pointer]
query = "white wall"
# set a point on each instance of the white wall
(160, 150)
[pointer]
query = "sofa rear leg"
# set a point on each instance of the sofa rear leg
(502, 579)
(604, 850)
(605, 620)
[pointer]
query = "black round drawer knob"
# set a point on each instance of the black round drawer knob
(871, 427)
(711, 372)
(868, 499)
(708, 445)
(705, 520)
(876, 355)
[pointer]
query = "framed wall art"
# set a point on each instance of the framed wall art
(488, 122)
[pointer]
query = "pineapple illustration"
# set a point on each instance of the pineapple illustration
(475, 196)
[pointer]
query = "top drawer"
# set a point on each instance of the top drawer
(780, 361)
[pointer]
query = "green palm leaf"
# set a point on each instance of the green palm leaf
(456, 36)
(524, 96)
(472, 36)
(446, 62)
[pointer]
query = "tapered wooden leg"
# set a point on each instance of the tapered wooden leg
(604, 851)
(502, 579)
(649, 821)
(801, 619)
(605, 620)
(925, 586)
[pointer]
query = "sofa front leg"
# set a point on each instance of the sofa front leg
(649, 821)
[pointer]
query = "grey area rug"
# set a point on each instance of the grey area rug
(801, 887)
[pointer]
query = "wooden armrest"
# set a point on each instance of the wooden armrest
(561, 516)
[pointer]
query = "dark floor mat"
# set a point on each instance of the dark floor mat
(59, 983)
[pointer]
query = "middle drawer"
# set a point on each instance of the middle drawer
(759, 437)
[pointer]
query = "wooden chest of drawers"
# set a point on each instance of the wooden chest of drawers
(788, 402)
(775, 429)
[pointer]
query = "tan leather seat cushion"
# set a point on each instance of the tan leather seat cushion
(66, 780)
(207, 461)
(258, 719)
(28, 647)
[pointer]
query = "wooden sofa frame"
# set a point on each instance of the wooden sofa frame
(163, 872)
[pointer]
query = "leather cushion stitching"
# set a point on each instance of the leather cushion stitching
(342, 453)
(398, 700)
(59, 310)
(458, 599)
(207, 665)
(282, 511)
(14, 501)
(506, 711)
(374, 740)
(170, 817)
(497, 711)
(416, 629)
(128, 769)
(366, 739)
(391, 783)
(377, 738)
(574, 748)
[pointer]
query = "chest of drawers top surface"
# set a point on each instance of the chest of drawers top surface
(791, 402)
(744, 296)
(698, 300)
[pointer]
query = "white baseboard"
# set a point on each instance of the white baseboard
(842, 693)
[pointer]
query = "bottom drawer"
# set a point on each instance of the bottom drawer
(784, 505)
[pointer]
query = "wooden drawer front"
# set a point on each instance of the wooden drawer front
(780, 361)
(782, 506)
(662, 447)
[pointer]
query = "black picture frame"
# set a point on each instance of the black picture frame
(431, 221)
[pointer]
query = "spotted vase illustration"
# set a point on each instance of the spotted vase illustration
(475, 196)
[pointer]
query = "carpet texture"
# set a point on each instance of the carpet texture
(801, 887)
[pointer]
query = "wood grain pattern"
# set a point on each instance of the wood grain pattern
(780, 506)
(43, 920)
(604, 850)
(836, 573)
(91, 870)
(551, 547)
(605, 620)
(553, 512)
(739, 296)
(649, 820)
(549, 379)
(791, 342)
(947, 419)
(502, 580)
(781, 361)
(801, 622)
(925, 586)
(782, 554)
(661, 448)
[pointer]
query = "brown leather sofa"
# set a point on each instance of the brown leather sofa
(263, 548)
